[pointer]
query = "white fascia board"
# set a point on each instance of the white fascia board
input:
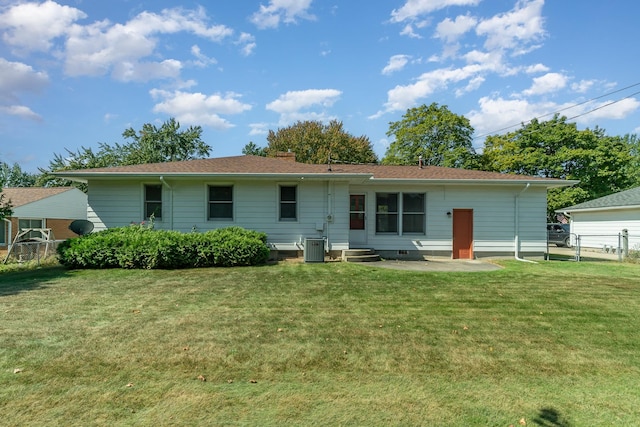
(610, 208)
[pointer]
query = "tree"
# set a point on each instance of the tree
(5, 207)
(251, 149)
(314, 142)
(149, 145)
(14, 176)
(557, 149)
(441, 137)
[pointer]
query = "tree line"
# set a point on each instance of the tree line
(554, 148)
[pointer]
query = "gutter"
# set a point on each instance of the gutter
(170, 201)
(516, 242)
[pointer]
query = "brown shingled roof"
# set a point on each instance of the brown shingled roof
(20, 196)
(256, 165)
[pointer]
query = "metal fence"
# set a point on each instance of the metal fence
(607, 246)
(31, 251)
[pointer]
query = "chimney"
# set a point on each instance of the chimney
(420, 161)
(286, 155)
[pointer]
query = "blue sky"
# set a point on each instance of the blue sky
(75, 73)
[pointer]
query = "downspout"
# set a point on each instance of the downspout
(170, 202)
(329, 217)
(516, 242)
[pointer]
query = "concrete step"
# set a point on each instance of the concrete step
(360, 255)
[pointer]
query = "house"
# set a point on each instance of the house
(38, 207)
(600, 222)
(399, 211)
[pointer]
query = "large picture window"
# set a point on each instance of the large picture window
(221, 202)
(391, 207)
(288, 203)
(413, 213)
(386, 212)
(153, 201)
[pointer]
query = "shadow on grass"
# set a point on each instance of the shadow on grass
(15, 282)
(549, 417)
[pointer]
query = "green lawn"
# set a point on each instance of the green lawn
(549, 344)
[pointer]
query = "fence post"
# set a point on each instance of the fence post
(577, 256)
(625, 242)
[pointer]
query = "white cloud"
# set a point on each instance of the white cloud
(259, 129)
(516, 29)
(247, 43)
(199, 109)
(33, 26)
(277, 11)
(102, 47)
(550, 82)
(18, 78)
(608, 110)
(536, 68)
(20, 111)
(498, 113)
(292, 105)
(202, 60)
(403, 97)
(583, 85)
(450, 31)
(396, 63)
(415, 8)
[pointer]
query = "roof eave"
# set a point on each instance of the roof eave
(597, 209)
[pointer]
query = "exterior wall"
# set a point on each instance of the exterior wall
(494, 227)
(255, 204)
(599, 228)
(70, 204)
(323, 212)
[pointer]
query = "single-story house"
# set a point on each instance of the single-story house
(398, 211)
(39, 207)
(600, 222)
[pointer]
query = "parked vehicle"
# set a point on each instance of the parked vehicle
(559, 234)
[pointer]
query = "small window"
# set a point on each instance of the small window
(31, 223)
(221, 202)
(386, 212)
(288, 203)
(413, 213)
(153, 201)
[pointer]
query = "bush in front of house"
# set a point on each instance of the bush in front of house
(141, 247)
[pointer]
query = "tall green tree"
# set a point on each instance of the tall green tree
(5, 207)
(315, 142)
(14, 176)
(557, 149)
(441, 137)
(148, 145)
(253, 150)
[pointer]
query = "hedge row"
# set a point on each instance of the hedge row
(137, 246)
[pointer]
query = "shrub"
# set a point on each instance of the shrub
(138, 246)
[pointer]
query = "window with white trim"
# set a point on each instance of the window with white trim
(288, 203)
(413, 215)
(407, 207)
(221, 202)
(153, 201)
(386, 212)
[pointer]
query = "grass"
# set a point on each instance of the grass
(549, 344)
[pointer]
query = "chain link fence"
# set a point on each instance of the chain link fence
(600, 246)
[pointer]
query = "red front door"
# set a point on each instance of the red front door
(463, 233)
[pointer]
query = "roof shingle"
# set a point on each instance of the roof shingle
(256, 165)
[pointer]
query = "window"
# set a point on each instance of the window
(288, 203)
(153, 201)
(31, 223)
(413, 213)
(221, 202)
(356, 212)
(386, 212)
(408, 206)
